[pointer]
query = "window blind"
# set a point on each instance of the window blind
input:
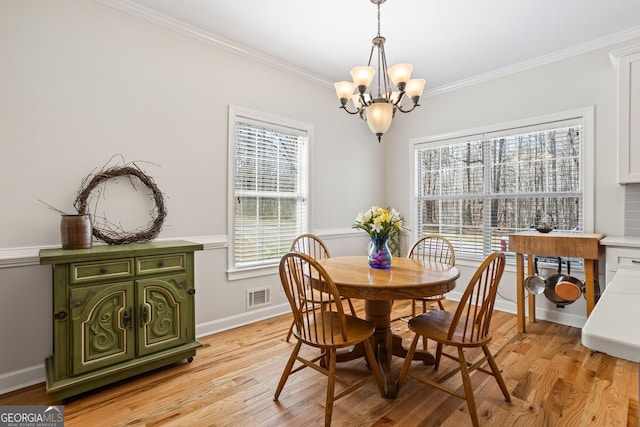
(270, 191)
(479, 191)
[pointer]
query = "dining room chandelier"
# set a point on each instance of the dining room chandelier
(378, 110)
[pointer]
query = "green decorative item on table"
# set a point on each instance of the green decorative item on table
(380, 224)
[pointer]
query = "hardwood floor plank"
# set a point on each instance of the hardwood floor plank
(553, 403)
(552, 378)
(632, 415)
(577, 399)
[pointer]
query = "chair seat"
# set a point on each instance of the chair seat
(432, 298)
(357, 331)
(435, 325)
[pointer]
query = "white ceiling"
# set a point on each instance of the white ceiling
(447, 41)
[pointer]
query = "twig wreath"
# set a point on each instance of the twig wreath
(109, 233)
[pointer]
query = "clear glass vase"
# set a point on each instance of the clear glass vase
(379, 253)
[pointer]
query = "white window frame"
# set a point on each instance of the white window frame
(583, 116)
(242, 114)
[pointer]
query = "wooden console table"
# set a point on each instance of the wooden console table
(572, 245)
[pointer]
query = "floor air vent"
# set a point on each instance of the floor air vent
(258, 297)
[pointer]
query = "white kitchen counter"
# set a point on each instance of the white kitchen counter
(622, 241)
(614, 324)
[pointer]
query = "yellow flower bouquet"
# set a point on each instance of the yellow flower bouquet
(380, 224)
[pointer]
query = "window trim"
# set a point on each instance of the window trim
(584, 116)
(235, 113)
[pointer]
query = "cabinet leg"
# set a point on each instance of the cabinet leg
(520, 292)
(590, 272)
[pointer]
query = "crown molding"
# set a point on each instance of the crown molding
(616, 55)
(191, 31)
(181, 27)
(539, 61)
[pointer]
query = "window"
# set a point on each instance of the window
(268, 187)
(477, 188)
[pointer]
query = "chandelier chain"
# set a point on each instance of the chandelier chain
(378, 19)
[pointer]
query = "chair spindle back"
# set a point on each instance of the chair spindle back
(476, 306)
(311, 245)
(302, 277)
(433, 247)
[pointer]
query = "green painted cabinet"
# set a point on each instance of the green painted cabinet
(119, 311)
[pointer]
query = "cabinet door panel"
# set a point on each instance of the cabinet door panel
(102, 324)
(628, 125)
(164, 304)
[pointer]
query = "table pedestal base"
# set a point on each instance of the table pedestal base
(385, 345)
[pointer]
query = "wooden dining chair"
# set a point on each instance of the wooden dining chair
(322, 325)
(468, 327)
(312, 245)
(436, 248)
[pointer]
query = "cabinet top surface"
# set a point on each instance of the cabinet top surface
(60, 256)
(623, 241)
(557, 235)
(579, 245)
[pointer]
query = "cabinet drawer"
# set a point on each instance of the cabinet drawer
(623, 256)
(103, 270)
(631, 261)
(160, 264)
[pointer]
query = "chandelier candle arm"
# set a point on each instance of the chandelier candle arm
(379, 109)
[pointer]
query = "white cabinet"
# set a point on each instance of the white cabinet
(620, 251)
(628, 63)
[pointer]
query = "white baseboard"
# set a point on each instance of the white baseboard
(555, 316)
(22, 378)
(241, 319)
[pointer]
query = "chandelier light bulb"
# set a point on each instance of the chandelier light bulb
(379, 116)
(344, 90)
(400, 74)
(415, 87)
(362, 77)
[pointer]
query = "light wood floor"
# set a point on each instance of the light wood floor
(553, 380)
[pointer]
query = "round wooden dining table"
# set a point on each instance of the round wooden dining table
(406, 279)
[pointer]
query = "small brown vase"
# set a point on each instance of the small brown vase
(76, 231)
